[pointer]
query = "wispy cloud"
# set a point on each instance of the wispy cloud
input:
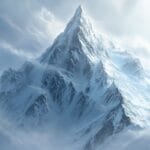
(130, 139)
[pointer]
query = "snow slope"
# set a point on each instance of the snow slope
(83, 84)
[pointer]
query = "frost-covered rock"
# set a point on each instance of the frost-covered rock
(12, 81)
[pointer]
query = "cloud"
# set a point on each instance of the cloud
(139, 48)
(27, 26)
(10, 57)
(14, 137)
(130, 139)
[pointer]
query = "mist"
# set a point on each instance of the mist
(129, 139)
(50, 138)
(19, 138)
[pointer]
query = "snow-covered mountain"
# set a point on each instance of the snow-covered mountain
(83, 84)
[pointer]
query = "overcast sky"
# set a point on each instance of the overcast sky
(28, 27)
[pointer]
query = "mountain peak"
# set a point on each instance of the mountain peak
(78, 31)
(78, 11)
(79, 19)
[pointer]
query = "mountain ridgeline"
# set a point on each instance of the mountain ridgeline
(82, 81)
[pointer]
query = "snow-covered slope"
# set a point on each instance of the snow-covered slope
(82, 83)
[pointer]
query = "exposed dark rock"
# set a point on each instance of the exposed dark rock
(38, 108)
(55, 84)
